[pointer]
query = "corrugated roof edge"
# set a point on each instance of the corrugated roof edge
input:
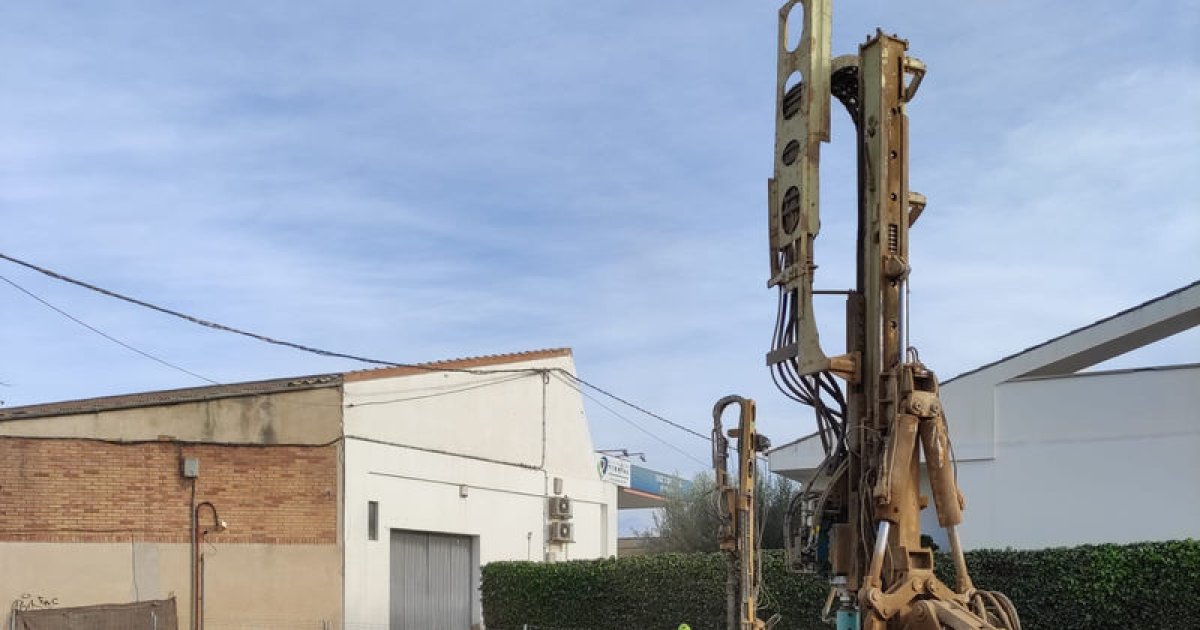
(1068, 334)
(271, 386)
(466, 363)
(1116, 372)
(170, 396)
(794, 442)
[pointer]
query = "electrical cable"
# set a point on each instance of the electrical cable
(236, 331)
(446, 392)
(634, 406)
(824, 394)
(322, 352)
(627, 420)
(106, 335)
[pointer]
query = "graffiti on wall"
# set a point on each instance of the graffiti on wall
(30, 601)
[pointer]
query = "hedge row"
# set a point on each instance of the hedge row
(1146, 585)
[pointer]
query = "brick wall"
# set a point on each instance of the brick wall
(72, 490)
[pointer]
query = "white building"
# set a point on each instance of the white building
(1049, 455)
(364, 500)
(460, 466)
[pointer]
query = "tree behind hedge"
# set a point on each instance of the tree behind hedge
(688, 522)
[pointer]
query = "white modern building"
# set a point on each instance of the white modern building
(1051, 455)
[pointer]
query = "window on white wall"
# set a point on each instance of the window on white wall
(372, 520)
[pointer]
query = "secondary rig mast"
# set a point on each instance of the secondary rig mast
(738, 534)
(858, 519)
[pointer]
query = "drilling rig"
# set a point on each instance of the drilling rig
(877, 408)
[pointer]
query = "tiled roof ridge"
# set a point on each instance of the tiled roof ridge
(462, 363)
(266, 386)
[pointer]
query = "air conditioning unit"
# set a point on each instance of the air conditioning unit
(560, 508)
(562, 532)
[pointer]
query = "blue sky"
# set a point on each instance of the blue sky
(418, 181)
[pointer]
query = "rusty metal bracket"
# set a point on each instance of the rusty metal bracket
(916, 68)
(916, 205)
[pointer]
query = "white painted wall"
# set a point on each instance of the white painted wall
(969, 404)
(1089, 458)
(412, 443)
(1068, 460)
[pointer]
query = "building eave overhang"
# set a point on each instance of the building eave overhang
(1128, 330)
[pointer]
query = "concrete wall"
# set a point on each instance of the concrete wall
(94, 508)
(238, 593)
(969, 404)
(1055, 461)
(309, 416)
(1089, 458)
(417, 443)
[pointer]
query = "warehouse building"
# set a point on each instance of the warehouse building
(357, 500)
(1053, 453)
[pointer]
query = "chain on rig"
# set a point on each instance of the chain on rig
(877, 407)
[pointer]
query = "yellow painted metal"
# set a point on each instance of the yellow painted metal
(869, 512)
(802, 124)
(738, 533)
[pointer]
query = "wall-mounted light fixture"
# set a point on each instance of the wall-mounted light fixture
(621, 452)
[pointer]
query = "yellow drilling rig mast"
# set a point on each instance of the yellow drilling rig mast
(738, 533)
(876, 404)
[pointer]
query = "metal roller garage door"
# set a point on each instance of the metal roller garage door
(430, 581)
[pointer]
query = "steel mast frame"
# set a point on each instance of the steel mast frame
(859, 519)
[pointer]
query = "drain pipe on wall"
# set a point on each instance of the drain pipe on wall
(192, 559)
(545, 474)
(190, 469)
(198, 561)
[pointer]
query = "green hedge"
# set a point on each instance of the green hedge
(1146, 585)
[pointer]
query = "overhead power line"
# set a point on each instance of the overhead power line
(643, 410)
(314, 350)
(215, 326)
(104, 334)
(635, 425)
